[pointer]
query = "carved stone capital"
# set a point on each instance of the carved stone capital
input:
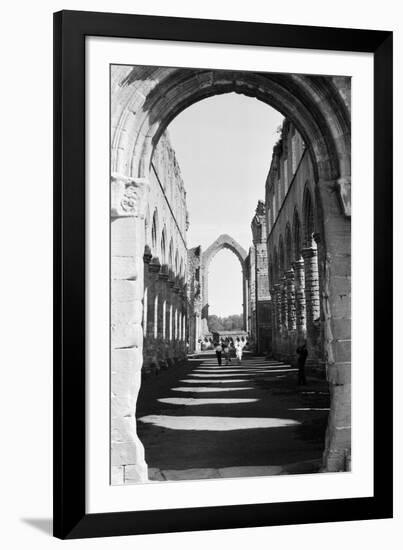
(128, 196)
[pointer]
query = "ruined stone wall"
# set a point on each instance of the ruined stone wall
(165, 311)
(252, 295)
(293, 244)
(194, 297)
(262, 298)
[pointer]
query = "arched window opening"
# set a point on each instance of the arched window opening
(281, 257)
(156, 317)
(176, 325)
(163, 247)
(275, 266)
(171, 255)
(271, 272)
(288, 246)
(170, 322)
(309, 223)
(154, 233)
(147, 226)
(177, 263)
(297, 236)
(164, 319)
(145, 312)
(184, 328)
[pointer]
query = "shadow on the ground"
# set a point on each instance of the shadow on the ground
(276, 395)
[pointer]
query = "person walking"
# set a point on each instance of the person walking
(226, 352)
(302, 354)
(239, 350)
(218, 352)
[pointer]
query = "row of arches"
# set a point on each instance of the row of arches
(297, 236)
(160, 248)
(163, 320)
(294, 275)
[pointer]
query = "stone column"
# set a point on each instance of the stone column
(277, 290)
(177, 308)
(290, 277)
(153, 321)
(274, 302)
(171, 322)
(128, 201)
(245, 301)
(204, 296)
(162, 332)
(310, 255)
(284, 304)
(147, 259)
(197, 332)
(300, 305)
(275, 319)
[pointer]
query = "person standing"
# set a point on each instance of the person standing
(226, 351)
(218, 352)
(302, 354)
(239, 350)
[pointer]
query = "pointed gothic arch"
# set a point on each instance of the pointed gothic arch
(296, 232)
(222, 242)
(288, 248)
(309, 217)
(154, 234)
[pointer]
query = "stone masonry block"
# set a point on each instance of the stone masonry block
(342, 351)
(339, 374)
(123, 453)
(123, 267)
(117, 475)
(126, 335)
(341, 328)
(123, 235)
(135, 473)
(126, 291)
(129, 312)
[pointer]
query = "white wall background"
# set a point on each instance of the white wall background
(26, 274)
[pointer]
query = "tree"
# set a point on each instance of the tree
(214, 324)
(231, 322)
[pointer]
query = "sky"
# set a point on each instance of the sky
(224, 147)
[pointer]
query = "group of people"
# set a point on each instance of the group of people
(228, 348)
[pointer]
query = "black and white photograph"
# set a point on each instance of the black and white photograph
(200, 293)
(230, 274)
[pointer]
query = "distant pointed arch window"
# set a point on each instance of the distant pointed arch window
(163, 247)
(154, 232)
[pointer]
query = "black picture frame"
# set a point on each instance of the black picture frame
(70, 517)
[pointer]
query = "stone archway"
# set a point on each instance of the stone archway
(223, 241)
(144, 101)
